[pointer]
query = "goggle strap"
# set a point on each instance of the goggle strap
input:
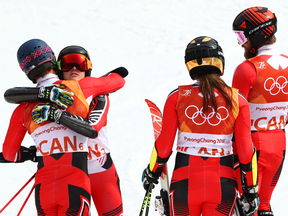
(205, 53)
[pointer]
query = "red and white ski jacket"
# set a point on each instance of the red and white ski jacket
(192, 137)
(263, 81)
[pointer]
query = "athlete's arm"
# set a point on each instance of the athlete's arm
(108, 83)
(56, 94)
(15, 135)
(244, 143)
(96, 119)
(102, 85)
(98, 112)
(164, 143)
(91, 125)
(244, 78)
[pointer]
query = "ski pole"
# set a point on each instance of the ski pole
(26, 200)
(147, 197)
(144, 202)
(17, 193)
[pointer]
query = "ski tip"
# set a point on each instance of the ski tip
(149, 102)
(146, 100)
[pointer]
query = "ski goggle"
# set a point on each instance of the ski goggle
(81, 62)
(242, 39)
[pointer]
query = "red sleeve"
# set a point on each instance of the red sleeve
(164, 143)
(242, 132)
(99, 111)
(102, 85)
(243, 140)
(15, 134)
(244, 77)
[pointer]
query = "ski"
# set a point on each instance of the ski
(238, 209)
(161, 202)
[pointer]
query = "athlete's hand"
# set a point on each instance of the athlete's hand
(250, 199)
(46, 112)
(148, 177)
(56, 94)
(27, 154)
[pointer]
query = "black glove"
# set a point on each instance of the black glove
(27, 154)
(122, 71)
(250, 196)
(149, 177)
(56, 94)
(46, 112)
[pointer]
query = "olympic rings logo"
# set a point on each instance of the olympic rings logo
(276, 85)
(212, 115)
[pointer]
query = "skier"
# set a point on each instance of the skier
(61, 152)
(206, 114)
(262, 79)
(105, 183)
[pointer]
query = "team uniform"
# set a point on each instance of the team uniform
(105, 183)
(62, 184)
(263, 81)
(203, 179)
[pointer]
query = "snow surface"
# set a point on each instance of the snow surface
(148, 38)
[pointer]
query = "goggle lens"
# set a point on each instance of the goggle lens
(241, 37)
(81, 62)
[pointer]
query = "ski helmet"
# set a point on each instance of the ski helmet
(35, 56)
(204, 55)
(63, 61)
(256, 24)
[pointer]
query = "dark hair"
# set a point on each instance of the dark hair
(207, 85)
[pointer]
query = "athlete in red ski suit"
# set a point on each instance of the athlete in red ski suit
(262, 80)
(105, 183)
(62, 181)
(203, 180)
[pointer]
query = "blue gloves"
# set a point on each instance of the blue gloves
(46, 112)
(56, 94)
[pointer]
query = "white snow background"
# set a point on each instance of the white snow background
(148, 38)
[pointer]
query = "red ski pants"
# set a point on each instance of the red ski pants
(62, 185)
(105, 190)
(271, 148)
(204, 185)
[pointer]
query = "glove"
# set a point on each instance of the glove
(149, 177)
(250, 199)
(56, 94)
(28, 154)
(46, 112)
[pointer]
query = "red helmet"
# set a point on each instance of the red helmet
(256, 24)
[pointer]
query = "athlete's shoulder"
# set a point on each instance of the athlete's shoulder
(245, 66)
(173, 92)
(245, 74)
